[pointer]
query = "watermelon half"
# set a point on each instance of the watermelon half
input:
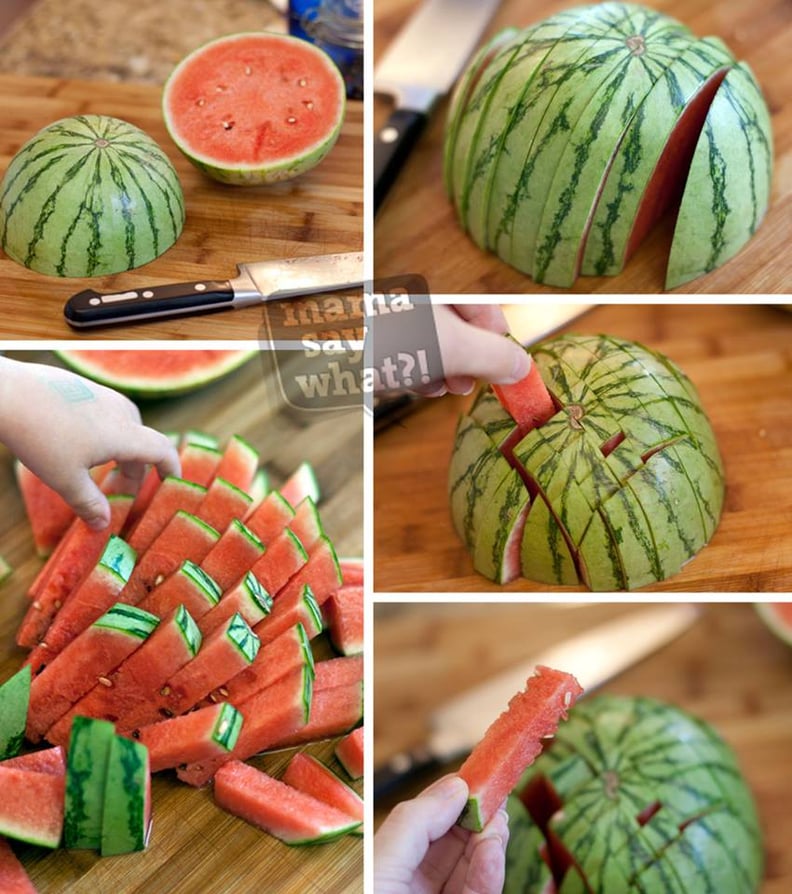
(567, 141)
(633, 795)
(616, 490)
(155, 373)
(255, 108)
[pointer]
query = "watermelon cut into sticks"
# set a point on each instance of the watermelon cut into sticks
(349, 751)
(309, 775)
(513, 741)
(213, 108)
(86, 777)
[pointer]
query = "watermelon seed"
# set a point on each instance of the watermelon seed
(159, 579)
(302, 83)
(37, 605)
(248, 70)
(221, 88)
(166, 690)
(567, 699)
(228, 125)
(57, 604)
(308, 103)
(105, 681)
(223, 692)
(200, 102)
(291, 120)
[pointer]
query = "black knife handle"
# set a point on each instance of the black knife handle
(402, 767)
(392, 145)
(90, 308)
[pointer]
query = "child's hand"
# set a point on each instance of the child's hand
(61, 425)
(419, 850)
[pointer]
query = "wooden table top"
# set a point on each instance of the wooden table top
(416, 229)
(740, 359)
(727, 669)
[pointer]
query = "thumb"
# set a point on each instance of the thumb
(85, 498)
(468, 350)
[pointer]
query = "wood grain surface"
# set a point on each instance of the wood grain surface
(318, 213)
(728, 669)
(740, 359)
(195, 846)
(416, 230)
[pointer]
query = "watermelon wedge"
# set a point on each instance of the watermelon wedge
(233, 555)
(301, 484)
(48, 513)
(344, 614)
(13, 877)
(299, 607)
(248, 598)
(321, 573)
(334, 712)
(172, 495)
(223, 503)
(189, 586)
(351, 571)
(309, 775)
(528, 401)
(283, 558)
(270, 517)
(31, 808)
(86, 776)
(349, 752)
(513, 741)
(239, 463)
(213, 110)
(126, 816)
(306, 524)
(199, 462)
(14, 700)
(290, 815)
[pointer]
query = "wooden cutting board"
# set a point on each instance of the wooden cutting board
(739, 357)
(416, 230)
(318, 213)
(728, 669)
(195, 846)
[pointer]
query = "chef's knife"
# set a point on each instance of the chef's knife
(419, 67)
(255, 283)
(593, 657)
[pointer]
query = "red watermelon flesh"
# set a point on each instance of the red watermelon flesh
(290, 815)
(270, 714)
(297, 608)
(321, 573)
(199, 463)
(306, 524)
(301, 483)
(223, 503)
(334, 712)
(189, 586)
(528, 401)
(79, 553)
(351, 571)
(349, 752)
(283, 558)
(13, 877)
(334, 672)
(344, 619)
(32, 806)
(200, 735)
(248, 598)
(171, 496)
(46, 760)
(234, 554)
(309, 775)
(513, 741)
(239, 463)
(270, 517)
(48, 513)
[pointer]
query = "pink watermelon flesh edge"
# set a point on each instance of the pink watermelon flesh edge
(32, 806)
(349, 752)
(311, 776)
(13, 877)
(513, 741)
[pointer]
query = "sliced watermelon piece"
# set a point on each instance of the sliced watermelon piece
(513, 741)
(270, 517)
(301, 483)
(282, 559)
(184, 537)
(528, 401)
(48, 513)
(124, 696)
(352, 571)
(88, 601)
(45, 760)
(201, 438)
(86, 776)
(126, 817)
(309, 775)
(189, 586)
(258, 490)
(306, 524)
(239, 463)
(32, 806)
(13, 877)
(343, 612)
(289, 652)
(79, 552)
(95, 653)
(270, 714)
(200, 735)
(334, 672)
(334, 712)
(234, 554)
(321, 573)
(349, 752)
(299, 607)
(223, 503)
(171, 496)
(248, 598)
(290, 815)
(14, 700)
(199, 462)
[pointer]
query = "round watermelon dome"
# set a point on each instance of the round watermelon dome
(255, 107)
(88, 196)
(568, 140)
(633, 795)
(616, 489)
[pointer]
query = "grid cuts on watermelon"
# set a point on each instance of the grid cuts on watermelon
(58, 187)
(513, 741)
(32, 806)
(349, 752)
(625, 480)
(290, 815)
(633, 795)
(572, 138)
(213, 108)
(309, 775)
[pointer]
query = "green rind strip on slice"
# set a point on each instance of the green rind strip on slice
(305, 645)
(312, 609)
(86, 780)
(239, 633)
(196, 522)
(188, 629)
(203, 581)
(125, 824)
(228, 726)
(14, 701)
(199, 439)
(256, 592)
(244, 530)
(306, 695)
(118, 556)
(128, 619)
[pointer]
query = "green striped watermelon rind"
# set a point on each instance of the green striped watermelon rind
(610, 764)
(14, 700)
(57, 189)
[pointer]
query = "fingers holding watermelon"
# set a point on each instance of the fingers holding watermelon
(94, 425)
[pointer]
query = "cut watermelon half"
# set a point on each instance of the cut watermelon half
(14, 700)
(309, 775)
(31, 808)
(290, 815)
(513, 741)
(214, 111)
(13, 877)
(349, 752)
(155, 373)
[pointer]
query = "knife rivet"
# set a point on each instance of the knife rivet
(94, 301)
(200, 287)
(389, 134)
(148, 294)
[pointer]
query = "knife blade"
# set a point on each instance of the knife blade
(420, 66)
(593, 657)
(255, 283)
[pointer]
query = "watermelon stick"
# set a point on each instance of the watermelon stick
(513, 741)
